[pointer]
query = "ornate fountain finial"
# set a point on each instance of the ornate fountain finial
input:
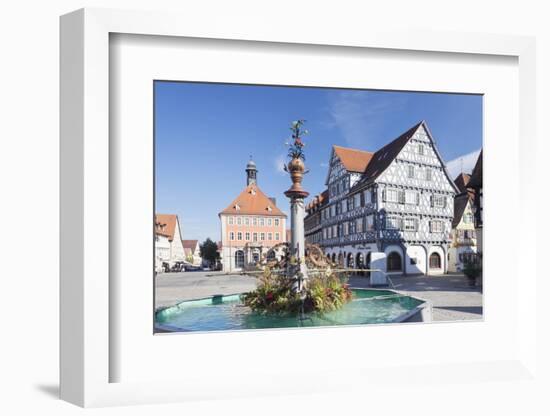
(296, 166)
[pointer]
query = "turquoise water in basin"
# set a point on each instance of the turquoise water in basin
(227, 313)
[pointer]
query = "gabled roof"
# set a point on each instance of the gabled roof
(252, 201)
(461, 181)
(476, 181)
(189, 244)
(461, 202)
(165, 224)
(383, 157)
(354, 160)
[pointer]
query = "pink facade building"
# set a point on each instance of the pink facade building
(250, 225)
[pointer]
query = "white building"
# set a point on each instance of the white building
(168, 245)
(192, 252)
(394, 205)
(463, 247)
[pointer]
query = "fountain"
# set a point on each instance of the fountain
(297, 288)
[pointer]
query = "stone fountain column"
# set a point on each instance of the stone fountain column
(297, 194)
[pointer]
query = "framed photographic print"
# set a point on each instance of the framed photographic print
(250, 206)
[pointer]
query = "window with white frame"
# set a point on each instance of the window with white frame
(411, 197)
(346, 228)
(368, 194)
(276, 222)
(357, 202)
(428, 174)
(351, 227)
(410, 224)
(239, 236)
(239, 221)
(410, 171)
(370, 222)
(269, 222)
(468, 218)
(262, 222)
(232, 236)
(255, 237)
(277, 236)
(270, 236)
(246, 221)
(262, 236)
(436, 226)
(439, 201)
(254, 221)
(393, 223)
(420, 149)
(247, 236)
(230, 220)
(392, 195)
(359, 225)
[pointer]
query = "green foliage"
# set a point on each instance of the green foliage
(209, 251)
(275, 294)
(472, 270)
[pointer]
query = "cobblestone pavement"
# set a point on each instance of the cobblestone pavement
(451, 297)
(172, 288)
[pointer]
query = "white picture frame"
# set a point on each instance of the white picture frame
(87, 294)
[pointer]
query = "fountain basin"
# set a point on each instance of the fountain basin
(220, 313)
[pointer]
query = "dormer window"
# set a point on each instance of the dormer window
(269, 209)
(237, 207)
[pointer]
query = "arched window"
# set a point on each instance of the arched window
(394, 262)
(435, 261)
(239, 259)
(359, 261)
(271, 255)
(255, 257)
(350, 261)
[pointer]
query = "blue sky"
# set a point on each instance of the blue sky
(205, 134)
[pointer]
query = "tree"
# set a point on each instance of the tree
(209, 251)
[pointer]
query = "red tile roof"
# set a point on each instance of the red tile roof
(165, 224)
(354, 160)
(190, 244)
(252, 201)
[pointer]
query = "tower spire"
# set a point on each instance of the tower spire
(251, 172)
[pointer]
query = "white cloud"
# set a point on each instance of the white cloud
(464, 163)
(360, 115)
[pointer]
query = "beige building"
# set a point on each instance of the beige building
(168, 244)
(250, 225)
(192, 252)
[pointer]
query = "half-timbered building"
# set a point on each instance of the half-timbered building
(396, 202)
(463, 248)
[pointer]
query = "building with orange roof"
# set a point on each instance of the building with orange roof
(168, 244)
(250, 225)
(390, 210)
(192, 252)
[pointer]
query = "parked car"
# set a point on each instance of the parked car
(191, 268)
(178, 267)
